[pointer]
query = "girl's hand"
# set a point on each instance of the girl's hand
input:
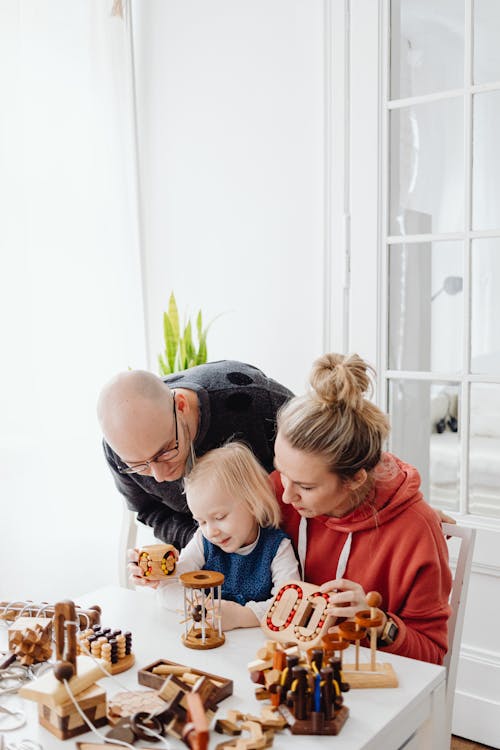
(346, 598)
(235, 615)
(136, 573)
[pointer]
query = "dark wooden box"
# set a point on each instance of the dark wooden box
(146, 677)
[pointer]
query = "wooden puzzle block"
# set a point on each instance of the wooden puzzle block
(64, 721)
(297, 614)
(130, 702)
(48, 690)
(30, 639)
(157, 561)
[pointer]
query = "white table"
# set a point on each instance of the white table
(412, 715)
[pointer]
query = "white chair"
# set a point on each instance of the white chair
(458, 600)
(128, 536)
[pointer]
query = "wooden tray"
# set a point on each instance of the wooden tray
(146, 677)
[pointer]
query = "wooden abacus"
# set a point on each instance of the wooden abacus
(11, 611)
(112, 646)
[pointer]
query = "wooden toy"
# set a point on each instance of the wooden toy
(112, 646)
(30, 639)
(130, 702)
(64, 721)
(258, 738)
(157, 561)
(297, 614)
(202, 610)
(154, 675)
(303, 687)
(10, 611)
(73, 675)
(195, 733)
(372, 675)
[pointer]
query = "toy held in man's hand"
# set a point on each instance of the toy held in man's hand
(157, 561)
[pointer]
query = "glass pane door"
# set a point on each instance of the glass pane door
(442, 248)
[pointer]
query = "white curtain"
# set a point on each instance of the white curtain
(71, 309)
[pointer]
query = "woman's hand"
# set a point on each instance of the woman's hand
(136, 573)
(346, 598)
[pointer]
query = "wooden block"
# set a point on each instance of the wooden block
(171, 689)
(261, 694)
(259, 665)
(271, 677)
(46, 689)
(130, 702)
(224, 726)
(64, 721)
(146, 676)
(383, 677)
(22, 623)
(166, 669)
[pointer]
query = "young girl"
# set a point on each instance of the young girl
(230, 496)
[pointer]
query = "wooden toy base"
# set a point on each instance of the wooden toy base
(195, 640)
(64, 721)
(122, 665)
(383, 677)
(316, 724)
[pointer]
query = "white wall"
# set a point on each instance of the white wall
(70, 294)
(231, 122)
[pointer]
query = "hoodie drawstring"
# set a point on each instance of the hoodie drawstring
(302, 550)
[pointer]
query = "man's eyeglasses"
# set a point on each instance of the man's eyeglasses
(162, 456)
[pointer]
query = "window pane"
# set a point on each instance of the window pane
(486, 161)
(426, 306)
(485, 306)
(486, 47)
(427, 168)
(427, 46)
(484, 467)
(424, 418)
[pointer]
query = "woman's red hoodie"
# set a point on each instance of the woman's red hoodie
(397, 549)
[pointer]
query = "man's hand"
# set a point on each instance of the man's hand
(443, 518)
(136, 573)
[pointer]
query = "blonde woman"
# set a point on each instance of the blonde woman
(231, 498)
(356, 514)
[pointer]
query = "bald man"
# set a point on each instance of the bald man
(155, 427)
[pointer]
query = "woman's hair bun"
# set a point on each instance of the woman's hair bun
(339, 379)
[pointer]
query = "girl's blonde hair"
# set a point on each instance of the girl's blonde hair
(334, 419)
(235, 467)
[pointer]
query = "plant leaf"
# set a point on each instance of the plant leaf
(171, 341)
(173, 314)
